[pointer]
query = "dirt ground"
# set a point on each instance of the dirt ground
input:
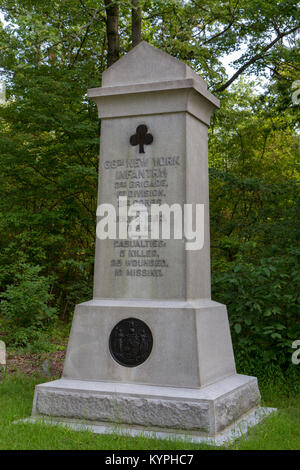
(50, 364)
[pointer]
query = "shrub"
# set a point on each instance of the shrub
(263, 302)
(25, 306)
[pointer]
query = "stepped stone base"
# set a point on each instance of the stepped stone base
(206, 411)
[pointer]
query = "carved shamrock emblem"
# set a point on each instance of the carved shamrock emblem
(141, 138)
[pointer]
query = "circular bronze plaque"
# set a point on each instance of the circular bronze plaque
(130, 342)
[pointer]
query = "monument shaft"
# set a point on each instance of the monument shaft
(165, 173)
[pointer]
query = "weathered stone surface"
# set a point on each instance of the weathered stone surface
(229, 408)
(207, 410)
(225, 437)
(144, 412)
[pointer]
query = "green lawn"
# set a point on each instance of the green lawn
(280, 431)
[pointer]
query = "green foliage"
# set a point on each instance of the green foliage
(50, 53)
(25, 306)
(48, 144)
(263, 300)
(254, 225)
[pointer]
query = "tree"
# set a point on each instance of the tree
(136, 21)
(202, 32)
(254, 226)
(112, 31)
(51, 52)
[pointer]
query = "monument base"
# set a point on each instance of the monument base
(228, 435)
(206, 411)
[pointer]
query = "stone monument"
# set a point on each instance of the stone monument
(151, 349)
(2, 354)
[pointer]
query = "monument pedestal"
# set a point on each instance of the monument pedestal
(188, 382)
(191, 342)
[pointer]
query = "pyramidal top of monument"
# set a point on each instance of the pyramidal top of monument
(147, 64)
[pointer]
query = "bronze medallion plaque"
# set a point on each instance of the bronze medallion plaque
(130, 342)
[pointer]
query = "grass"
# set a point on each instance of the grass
(276, 432)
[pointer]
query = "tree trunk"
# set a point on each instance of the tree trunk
(136, 25)
(112, 31)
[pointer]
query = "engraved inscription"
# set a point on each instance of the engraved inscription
(145, 180)
(141, 180)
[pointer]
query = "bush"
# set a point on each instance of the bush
(262, 301)
(25, 306)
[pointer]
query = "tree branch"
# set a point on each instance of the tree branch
(87, 26)
(227, 27)
(220, 33)
(255, 58)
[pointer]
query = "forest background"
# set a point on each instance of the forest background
(51, 52)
